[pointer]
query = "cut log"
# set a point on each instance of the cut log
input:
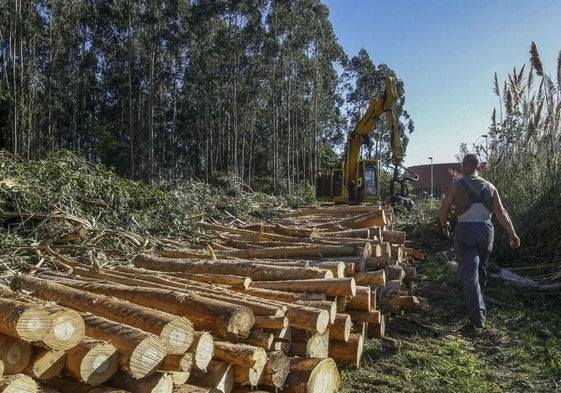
(331, 211)
(219, 375)
(377, 330)
(240, 354)
(389, 297)
(276, 370)
(178, 363)
(140, 353)
(378, 262)
(179, 377)
(372, 316)
(341, 328)
(222, 319)
(414, 253)
(247, 269)
(45, 363)
(307, 251)
(68, 328)
(309, 345)
(412, 303)
(283, 296)
(282, 339)
(65, 385)
(158, 382)
(187, 388)
(367, 220)
(264, 340)
(202, 350)
(308, 318)
(394, 237)
(312, 376)
(18, 383)
(330, 287)
(217, 279)
(348, 353)
(176, 332)
(168, 282)
(370, 277)
(92, 361)
(271, 322)
(395, 272)
(336, 267)
(15, 353)
(247, 376)
(362, 299)
(24, 321)
(328, 305)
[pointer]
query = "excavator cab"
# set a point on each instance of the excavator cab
(364, 186)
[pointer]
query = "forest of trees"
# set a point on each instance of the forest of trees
(180, 89)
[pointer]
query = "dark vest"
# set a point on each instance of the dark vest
(471, 189)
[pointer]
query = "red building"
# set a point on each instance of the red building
(442, 178)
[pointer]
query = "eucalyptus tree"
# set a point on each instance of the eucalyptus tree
(302, 81)
(21, 29)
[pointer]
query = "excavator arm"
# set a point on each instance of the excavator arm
(384, 103)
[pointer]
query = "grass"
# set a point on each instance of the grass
(519, 350)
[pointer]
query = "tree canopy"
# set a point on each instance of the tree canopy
(181, 89)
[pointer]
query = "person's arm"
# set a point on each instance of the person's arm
(445, 208)
(504, 220)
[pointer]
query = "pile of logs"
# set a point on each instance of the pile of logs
(274, 307)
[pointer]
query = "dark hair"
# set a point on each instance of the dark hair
(471, 160)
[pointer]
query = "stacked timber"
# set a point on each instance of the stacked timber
(277, 307)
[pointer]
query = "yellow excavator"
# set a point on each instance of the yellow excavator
(357, 181)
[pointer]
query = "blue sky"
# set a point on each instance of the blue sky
(447, 52)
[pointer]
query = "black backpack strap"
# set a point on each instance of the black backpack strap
(476, 198)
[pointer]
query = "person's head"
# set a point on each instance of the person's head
(470, 163)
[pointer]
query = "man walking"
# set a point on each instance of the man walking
(475, 199)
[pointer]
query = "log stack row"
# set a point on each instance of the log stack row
(274, 307)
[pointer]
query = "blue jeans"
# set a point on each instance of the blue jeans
(474, 242)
